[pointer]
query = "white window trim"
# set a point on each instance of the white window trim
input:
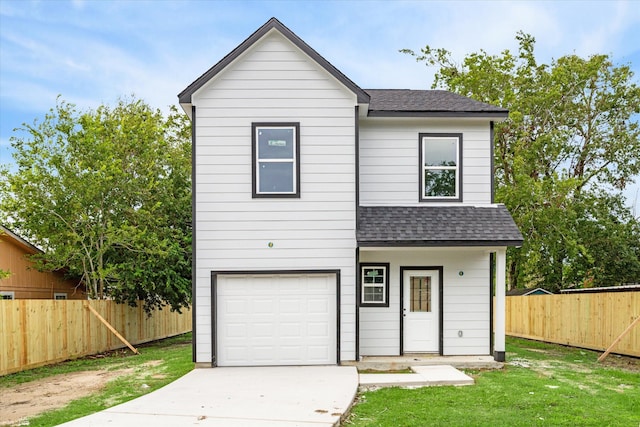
(385, 284)
(11, 294)
(458, 168)
(295, 160)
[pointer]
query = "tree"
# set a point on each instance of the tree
(568, 148)
(4, 273)
(106, 193)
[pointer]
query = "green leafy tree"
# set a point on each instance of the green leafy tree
(568, 148)
(4, 273)
(106, 193)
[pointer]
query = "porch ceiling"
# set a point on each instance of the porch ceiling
(436, 226)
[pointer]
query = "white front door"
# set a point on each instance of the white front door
(421, 311)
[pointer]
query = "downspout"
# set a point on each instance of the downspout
(357, 198)
(492, 272)
(493, 171)
(193, 235)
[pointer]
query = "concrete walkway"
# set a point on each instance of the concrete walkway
(422, 376)
(302, 396)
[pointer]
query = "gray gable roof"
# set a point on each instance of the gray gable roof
(406, 102)
(185, 96)
(436, 226)
(382, 102)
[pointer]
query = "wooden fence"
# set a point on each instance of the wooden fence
(590, 320)
(39, 332)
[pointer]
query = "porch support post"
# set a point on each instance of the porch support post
(499, 325)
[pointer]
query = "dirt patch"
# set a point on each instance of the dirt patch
(29, 399)
(623, 362)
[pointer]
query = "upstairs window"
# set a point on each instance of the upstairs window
(440, 167)
(375, 285)
(276, 159)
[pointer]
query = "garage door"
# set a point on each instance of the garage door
(287, 319)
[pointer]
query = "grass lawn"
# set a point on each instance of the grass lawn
(541, 385)
(160, 363)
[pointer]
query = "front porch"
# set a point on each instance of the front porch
(456, 304)
(426, 282)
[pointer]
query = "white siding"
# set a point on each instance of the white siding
(389, 165)
(274, 81)
(465, 300)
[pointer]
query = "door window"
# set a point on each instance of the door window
(420, 294)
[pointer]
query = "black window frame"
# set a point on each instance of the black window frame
(385, 302)
(421, 168)
(254, 159)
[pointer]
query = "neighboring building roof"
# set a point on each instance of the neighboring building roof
(19, 240)
(527, 291)
(436, 226)
(185, 96)
(622, 288)
(406, 102)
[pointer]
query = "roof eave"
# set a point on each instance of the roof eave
(184, 97)
(438, 243)
(532, 291)
(20, 241)
(186, 107)
(499, 115)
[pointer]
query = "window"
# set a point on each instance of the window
(276, 159)
(7, 295)
(420, 294)
(59, 295)
(375, 285)
(440, 167)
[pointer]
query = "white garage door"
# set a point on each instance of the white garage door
(287, 319)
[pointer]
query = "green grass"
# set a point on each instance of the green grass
(160, 363)
(542, 385)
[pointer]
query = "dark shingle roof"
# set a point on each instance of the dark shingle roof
(436, 226)
(405, 102)
(382, 102)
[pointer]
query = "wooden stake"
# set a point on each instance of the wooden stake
(112, 329)
(617, 340)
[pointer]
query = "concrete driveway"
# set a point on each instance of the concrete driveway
(232, 397)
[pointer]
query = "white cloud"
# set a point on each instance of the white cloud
(94, 52)
(78, 4)
(605, 34)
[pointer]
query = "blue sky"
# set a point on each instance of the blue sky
(95, 51)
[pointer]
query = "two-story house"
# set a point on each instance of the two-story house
(333, 222)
